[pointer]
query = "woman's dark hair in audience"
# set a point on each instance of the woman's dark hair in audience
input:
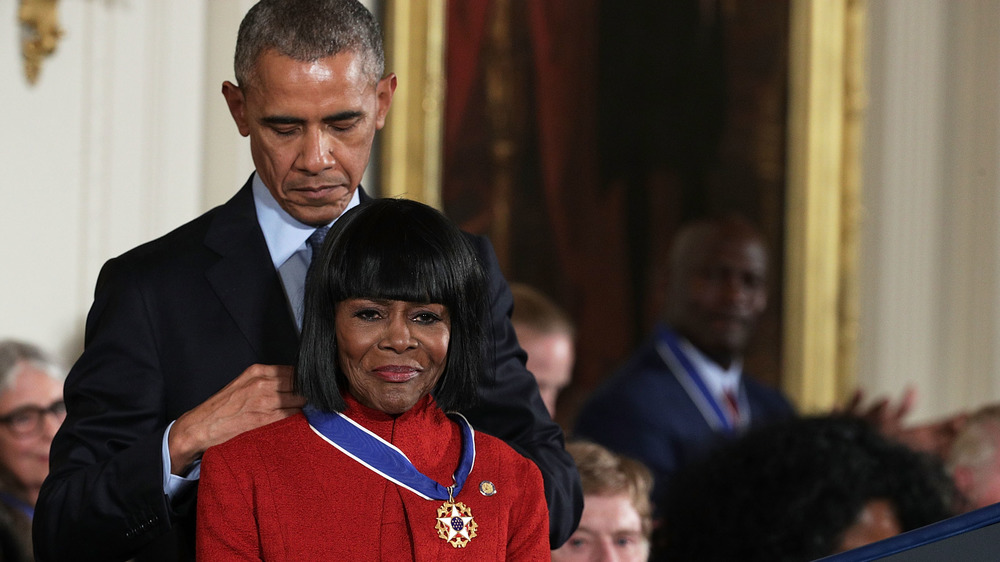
(396, 249)
(788, 492)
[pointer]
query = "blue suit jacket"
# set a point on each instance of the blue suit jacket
(643, 412)
(174, 321)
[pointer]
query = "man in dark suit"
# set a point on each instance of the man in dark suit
(190, 336)
(684, 388)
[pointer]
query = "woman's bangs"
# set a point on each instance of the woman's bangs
(413, 277)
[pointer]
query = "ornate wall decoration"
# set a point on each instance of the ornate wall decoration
(40, 33)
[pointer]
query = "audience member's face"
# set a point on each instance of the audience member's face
(987, 486)
(876, 521)
(719, 293)
(392, 352)
(24, 447)
(311, 127)
(610, 529)
(550, 359)
(979, 483)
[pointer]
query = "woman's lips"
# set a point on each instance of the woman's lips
(396, 373)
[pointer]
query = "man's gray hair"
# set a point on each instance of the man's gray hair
(308, 30)
(13, 353)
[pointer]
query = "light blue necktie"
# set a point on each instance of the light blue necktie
(315, 242)
(295, 270)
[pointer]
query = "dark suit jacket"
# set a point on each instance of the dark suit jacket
(175, 320)
(643, 412)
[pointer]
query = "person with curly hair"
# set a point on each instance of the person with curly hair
(800, 490)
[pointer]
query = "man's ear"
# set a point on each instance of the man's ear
(383, 92)
(237, 106)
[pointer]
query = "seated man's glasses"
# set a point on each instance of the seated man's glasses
(28, 420)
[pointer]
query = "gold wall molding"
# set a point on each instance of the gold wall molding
(826, 105)
(412, 142)
(40, 34)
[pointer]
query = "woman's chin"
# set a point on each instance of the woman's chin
(396, 408)
(390, 403)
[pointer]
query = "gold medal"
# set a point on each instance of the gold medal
(455, 523)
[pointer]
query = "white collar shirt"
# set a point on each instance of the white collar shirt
(283, 234)
(718, 380)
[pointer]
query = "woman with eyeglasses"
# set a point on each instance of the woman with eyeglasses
(31, 410)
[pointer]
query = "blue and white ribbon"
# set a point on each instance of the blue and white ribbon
(386, 459)
(668, 346)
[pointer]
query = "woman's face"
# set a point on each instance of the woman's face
(392, 352)
(876, 521)
(24, 448)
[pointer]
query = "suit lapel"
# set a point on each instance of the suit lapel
(246, 282)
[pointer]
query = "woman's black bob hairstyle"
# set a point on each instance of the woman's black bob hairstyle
(395, 249)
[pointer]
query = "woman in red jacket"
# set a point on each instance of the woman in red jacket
(395, 310)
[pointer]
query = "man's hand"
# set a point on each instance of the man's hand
(886, 417)
(260, 395)
(933, 437)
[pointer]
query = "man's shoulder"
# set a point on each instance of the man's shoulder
(644, 379)
(643, 367)
(642, 401)
(767, 401)
(479, 242)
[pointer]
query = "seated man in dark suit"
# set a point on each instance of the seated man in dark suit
(685, 386)
(190, 337)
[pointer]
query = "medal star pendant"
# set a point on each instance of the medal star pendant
(455, 524)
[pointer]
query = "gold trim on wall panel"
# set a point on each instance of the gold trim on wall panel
(819, 313)
(411, 157)
(855, 104)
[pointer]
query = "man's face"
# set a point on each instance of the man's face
(978, 478)
(718, 294)
(985, 485)
(610, 530)
(311, 127)
(550, 359)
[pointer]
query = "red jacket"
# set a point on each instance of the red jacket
(283, 493)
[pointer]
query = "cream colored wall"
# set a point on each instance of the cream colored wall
(930, 265)
(103, 153)
(124, 137)
(227, 164)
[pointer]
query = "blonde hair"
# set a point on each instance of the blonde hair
(534, 310)
(604, 473)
